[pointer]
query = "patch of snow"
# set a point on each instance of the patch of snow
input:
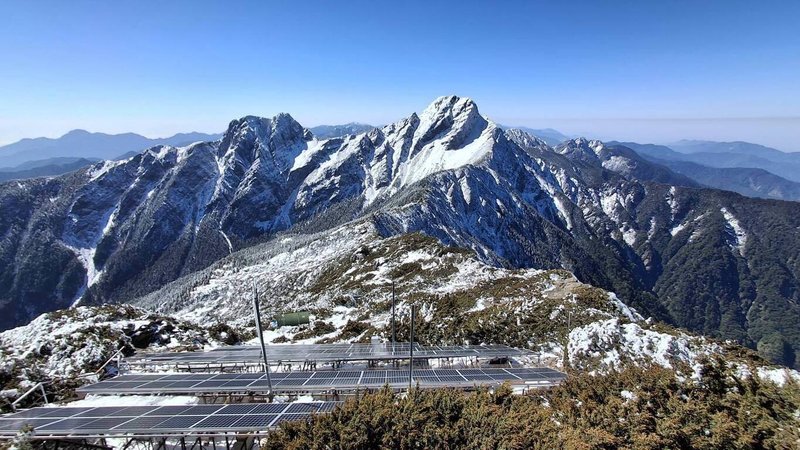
(134, 400)
(605, 344)
(100, 169)
(627, 395)
(736, 230)
(628, 312)
(779, 376)
(562, 210)
(629, 236)
(678, 228)
(618, 164)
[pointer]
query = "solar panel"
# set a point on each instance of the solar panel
(107, 423)
(275, 408)
(119, 421)
(104, 411)
(16, 425)
(325, 352)
(255, 421)
(202, 410)
(168, 410)
(142, 422)
(217, 422)
(237, 409)
(180, 422)
(302, 407)
(67, 423)
(322, 381)
(62, 412)
(288, 417)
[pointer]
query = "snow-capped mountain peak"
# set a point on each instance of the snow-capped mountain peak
(526, 140)
(581, 148)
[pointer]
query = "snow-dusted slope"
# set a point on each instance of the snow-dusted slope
(344, 278)
(57, 347)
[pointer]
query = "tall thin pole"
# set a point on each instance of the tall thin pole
(394, 335)
(411, 348)
(261, 339)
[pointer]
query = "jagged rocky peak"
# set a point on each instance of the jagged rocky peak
(453, 120)
(526, 140)
(581, 148)
(278, 130)
(159, 152)
(277, 139)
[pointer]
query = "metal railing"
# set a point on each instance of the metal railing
(40, 386)
(37, 387)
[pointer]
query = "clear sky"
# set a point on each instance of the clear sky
(646, 70)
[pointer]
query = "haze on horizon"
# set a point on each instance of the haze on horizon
(649, 72)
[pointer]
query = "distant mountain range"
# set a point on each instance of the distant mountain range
(733, 166)
(735, 148)
(83, 144)
(44, 168)
(725, 155)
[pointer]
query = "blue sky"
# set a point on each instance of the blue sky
(653, 71)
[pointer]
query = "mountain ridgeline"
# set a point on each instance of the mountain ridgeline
(708, 260)
(27, 153)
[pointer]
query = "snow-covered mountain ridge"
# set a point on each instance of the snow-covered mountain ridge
(117, 231)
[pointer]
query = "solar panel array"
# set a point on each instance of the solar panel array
(329, 352)
(324, 380)
(113, 421)
(158, 420)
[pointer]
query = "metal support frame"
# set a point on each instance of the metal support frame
(261, 340)
(37, 387)
(411, 348)
(394, 334)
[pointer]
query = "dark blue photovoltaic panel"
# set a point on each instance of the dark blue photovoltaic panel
(288, 417)
(243, 408)
(302, 408)
(327, 380)
(217, 422)
(107, 423)
(275, 408)
(168, 410)
(262, 421)
(180, 422)
(325, 352)
(16, 425)
(149, 420)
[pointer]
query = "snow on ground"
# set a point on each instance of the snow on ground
(67, 343)
(563, 211)
(628, 235)
(283, 277)
(133, 400)
(779, 376)
(618, 164)
(101, 168)
(677, 228)
(738, 233)
(608, 344)
(628, 312)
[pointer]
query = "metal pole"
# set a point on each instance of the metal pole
(394, 335)
(411, 348)
(261, 340)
